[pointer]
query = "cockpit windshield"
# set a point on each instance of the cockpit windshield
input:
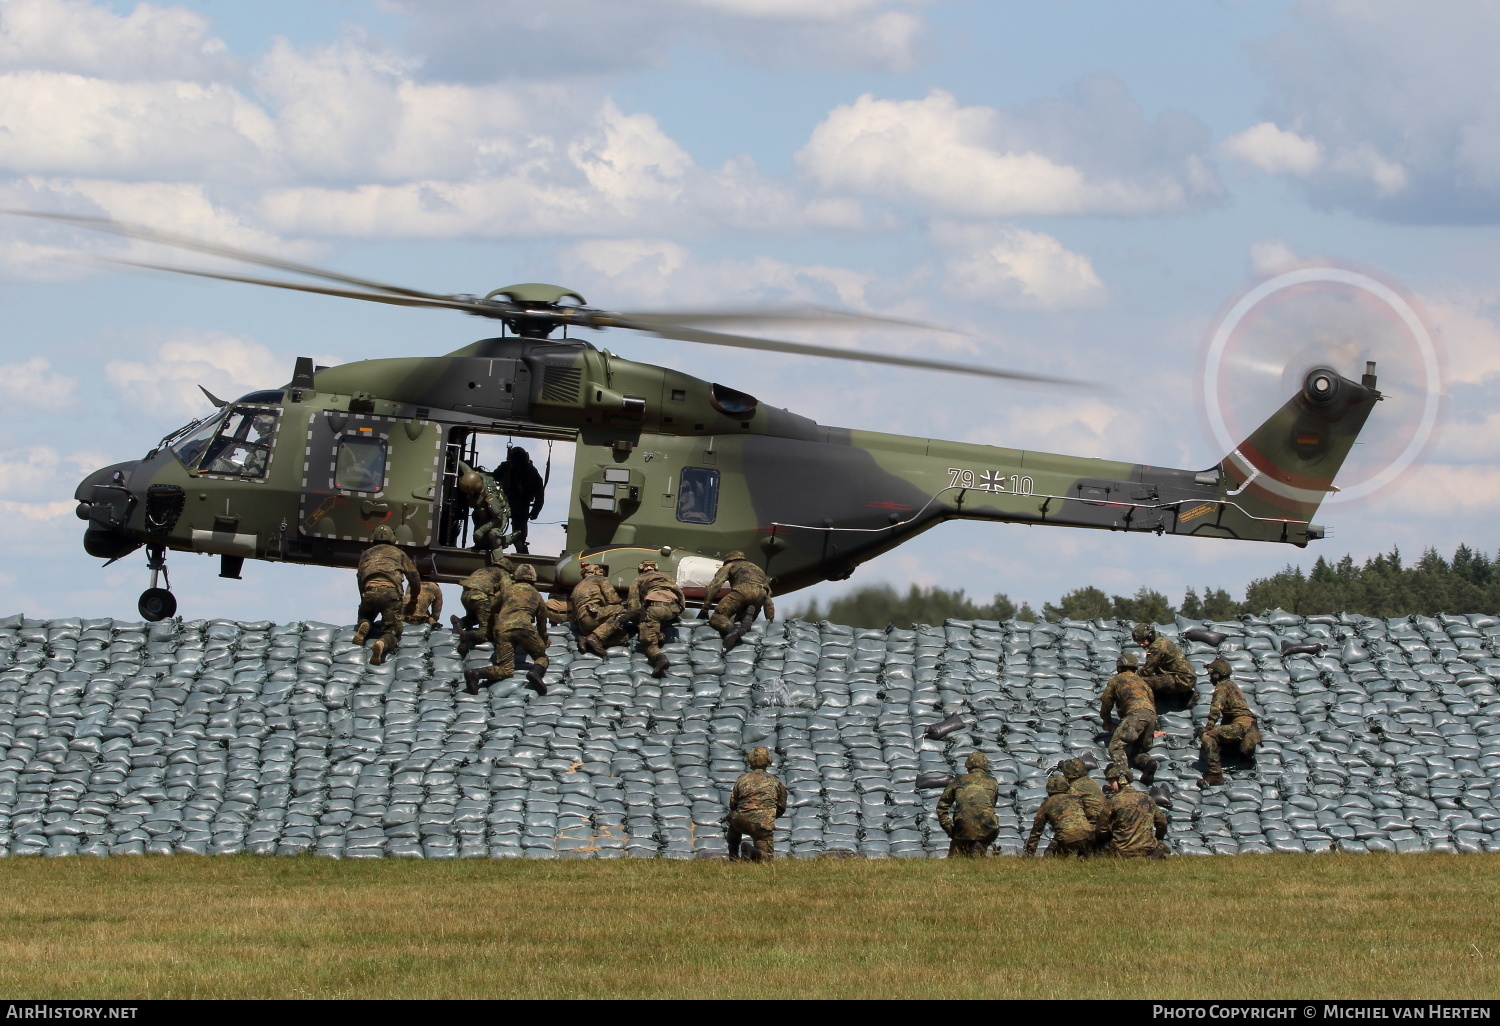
(191, 445)
(235, 443)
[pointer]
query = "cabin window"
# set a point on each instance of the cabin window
(698, 495)
(361, 464)
(241, 447)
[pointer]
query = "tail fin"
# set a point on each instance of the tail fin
(1287, 465)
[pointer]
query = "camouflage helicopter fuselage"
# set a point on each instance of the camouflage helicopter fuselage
(667, 466)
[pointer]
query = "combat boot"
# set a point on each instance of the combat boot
(1211, 780)
(377, 652)
(472, 677)
(594, 645)
(534, 680)
(467, 642)
(659, 664)
(732, 637)
(361, 634)
(456, 623)
(1148, 773)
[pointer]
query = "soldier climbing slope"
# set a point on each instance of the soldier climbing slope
(481, 590)
(966, 811)
(383, 568)
(1229, 720)
(1132, 826)
(1167, 670)
(429, 607)
(491, 511)
(1072, 828)
(597, 610)
(749, 592)
(655, 603)
(519, 618)
(757, 800)
(1130, 744)
(1084, 786)
(524, 493)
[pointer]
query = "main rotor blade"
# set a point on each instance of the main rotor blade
(813, 316)
(130, 231)
(715, 338)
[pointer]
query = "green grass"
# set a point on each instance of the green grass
(1352, 926)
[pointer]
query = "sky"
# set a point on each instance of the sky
(1079, 189)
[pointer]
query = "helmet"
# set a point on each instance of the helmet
(526, 572)
(1072, 769)
(1142, 632)
(977, 761)
(517, 455)
(470, 483)
(1057, 785)
(1116, 773)
(592, 570)
(1219, 669)
(383, 533)
(647, 564)
(503, 562)
(1126, 661)
(759, 757)
(732, 555)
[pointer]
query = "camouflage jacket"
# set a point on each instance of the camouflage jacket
(654, 586)
(1125, 693)
(1131, 822)
(966, 811)
(591, 593)
(1065, 814)
(1090, 794)
(429, 601)
(758, 794)
(490, 579)
(383, 565)
(1229, 704)
(521, 605)
(739, 574)
(1165, 657)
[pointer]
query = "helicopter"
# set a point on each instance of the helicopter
(667, 466)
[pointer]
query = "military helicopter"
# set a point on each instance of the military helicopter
(667, 466)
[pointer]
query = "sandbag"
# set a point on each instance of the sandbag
(1207, 637)
(928, 781)
(938, 731)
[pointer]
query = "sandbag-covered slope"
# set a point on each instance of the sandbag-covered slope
(221, 737)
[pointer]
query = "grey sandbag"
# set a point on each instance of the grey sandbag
(1163, 795)
(938, 731)
(1301, 648)
(1207, 637)
(931, 780)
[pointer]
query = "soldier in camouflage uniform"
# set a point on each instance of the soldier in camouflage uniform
(383, 568)
(757, 800)
(1229, 720)
(1167, 669)
(655, 603)
(429, 608)
(749, 593)
(1130, 744)
(481, 590)
(491, 511)
(1084, 786)
(1131, 826)
(597, 610)
(971, 825)
(519, 618)
(1072, 828)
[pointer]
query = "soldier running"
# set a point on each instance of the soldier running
(757, 800)
(491, 511)
(1132, 825)
(519, 618)
(655, 603)
(1167, 670)
(597, 610)
(1072, 828)
(1130, 742)
(749, 593)
(972, 825)
(481, 590)
(382, 570)
(429, 607)
(524, 493)
(1229, 720)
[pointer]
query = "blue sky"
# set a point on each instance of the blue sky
(1083, 186)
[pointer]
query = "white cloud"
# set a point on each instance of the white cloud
(35, 384)
(167, 384)
(1269, 256)
(1090, 153)
(150, 42)
(1006, 266)
(1274, 150)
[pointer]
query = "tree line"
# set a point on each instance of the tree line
(1383, 585)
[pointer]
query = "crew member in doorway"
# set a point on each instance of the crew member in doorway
(524, 493)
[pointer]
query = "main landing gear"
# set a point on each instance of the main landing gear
(157, 603)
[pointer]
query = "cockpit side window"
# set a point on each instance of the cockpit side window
(241, 447)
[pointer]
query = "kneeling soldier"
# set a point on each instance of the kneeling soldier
(429, 607)
(1131, 826)
(1166, 670)
(520, 618)
(383, 568)
(749, 593)
(596, 611)
(758, 799)
(972, 825)
(481, 590)
(1084, 786)
(655, 603)
(1130, 744)
(1237, 727)
(1072, 829)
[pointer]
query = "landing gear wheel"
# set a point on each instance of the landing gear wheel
(156, 604)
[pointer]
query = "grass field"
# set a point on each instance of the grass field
(1355, 926)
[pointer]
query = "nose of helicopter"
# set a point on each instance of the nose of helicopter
(105, 501)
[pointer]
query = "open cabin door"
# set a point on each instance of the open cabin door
(361, 470)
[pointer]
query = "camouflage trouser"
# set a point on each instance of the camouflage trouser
(656, 617)
(384, 603)
(1157, 850)
(478, 605)
(603, 622)
(740, 604)
(760, 829)
(1166, 684)
(503, 663)
(490, 535)
(971, 847)
(1080, 848)
(1242, 732)
(1130, 744)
